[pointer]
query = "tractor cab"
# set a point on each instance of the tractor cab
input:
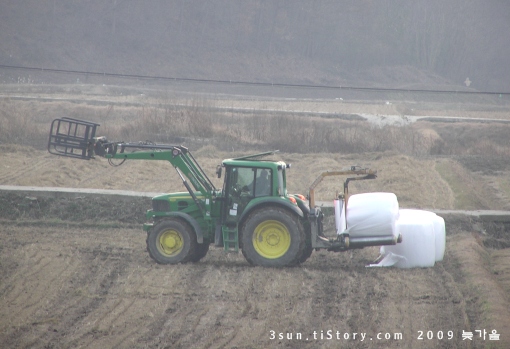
(250, 182)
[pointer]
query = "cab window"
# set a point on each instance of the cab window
(262, 182)
(254, 182)
(244, 180)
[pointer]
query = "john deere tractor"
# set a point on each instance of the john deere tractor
(252, 212)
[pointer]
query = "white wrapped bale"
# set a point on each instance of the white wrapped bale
(418, 246)
(440, 233)
(340, 222)
(372, 214)
(439, 230)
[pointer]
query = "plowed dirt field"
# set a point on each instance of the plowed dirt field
(88, 282)
(69, 286)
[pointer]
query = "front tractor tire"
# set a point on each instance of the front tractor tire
(171, 241)
(273, 237)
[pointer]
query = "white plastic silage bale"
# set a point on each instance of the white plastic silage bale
(372, 214)
(439, 230)
(417, 248)
(440, 233)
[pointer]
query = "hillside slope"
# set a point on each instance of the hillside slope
(397, 43)
(417, 183)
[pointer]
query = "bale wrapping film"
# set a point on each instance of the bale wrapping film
(372, 214)
(439, 231)
(417, 248)
(340, 222)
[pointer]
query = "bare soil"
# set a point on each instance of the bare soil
(66, 286)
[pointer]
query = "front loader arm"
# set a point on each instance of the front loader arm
(179, 156)
(76, 138)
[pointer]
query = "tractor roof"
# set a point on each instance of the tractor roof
(255, 160)
(258, 156)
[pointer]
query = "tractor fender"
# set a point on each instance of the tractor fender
(305, 209)
(273, 202)
(190, 220)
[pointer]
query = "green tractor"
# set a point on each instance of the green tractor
(252, 212)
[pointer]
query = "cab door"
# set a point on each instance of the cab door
(242, 185)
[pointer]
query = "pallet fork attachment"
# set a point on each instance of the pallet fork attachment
(72, 138)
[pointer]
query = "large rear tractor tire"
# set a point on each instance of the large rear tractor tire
(273, 237)
(308, 249)
(171, 241)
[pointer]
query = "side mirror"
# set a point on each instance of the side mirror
(218, 171)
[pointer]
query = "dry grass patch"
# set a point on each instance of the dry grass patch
(500, 261)
(415, 182)
(504, 185)
(486, 300)
(469, 193)
(418, 183)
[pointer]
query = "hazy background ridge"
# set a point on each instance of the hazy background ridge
(365, 42)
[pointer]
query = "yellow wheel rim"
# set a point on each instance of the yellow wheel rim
(271, 239)
(170, 243)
